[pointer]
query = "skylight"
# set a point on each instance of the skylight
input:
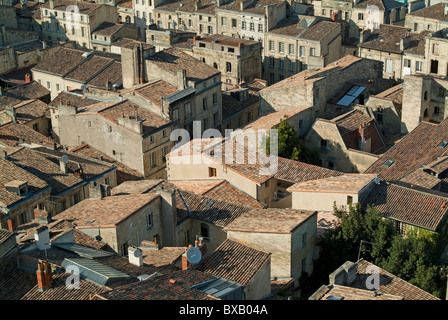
(388, 163)
(443, 144)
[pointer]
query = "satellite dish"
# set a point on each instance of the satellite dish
(64, 158)
(137, 253)
(194, 255)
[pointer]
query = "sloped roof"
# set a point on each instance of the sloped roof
(235, 261)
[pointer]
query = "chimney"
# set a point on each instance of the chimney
(41, 215)
(181, 79)
(364, 35)
(63, 166)
(345, 274)
(404, 42)
(98, 190)
(51, 4)
(44, 275)
(169, 215)
(185, 263)
(42, 238)
(198, 5)
(12, 225)
(11, 111)
(135, 256)
(28, 78)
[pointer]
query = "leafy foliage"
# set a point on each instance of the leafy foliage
(290, 147)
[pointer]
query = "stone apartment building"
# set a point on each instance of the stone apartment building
(107, 33)
(64, 20)
(69, 69)
(121, 129)
(361, 14)
(315, 88)
(198, 85)
(163, 39)
(293, 46)
(288, 234)
(346, 143)
(432, 18)
(392, 45)
(436, 57)
(237, 59)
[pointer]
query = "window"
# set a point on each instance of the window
(188, 108)
(164, 153)
(233, 23)
(349, 200)
(407, 63)
(152, 160)
(58, 87)
(302, 51)
(124, 249)
(149, 221)
(291, 49)
(176, 114)
(205, 231)
(210, 29)
(107, 181)
(281, 63)
(271, 62)
(281, 47)
(323, 12)
(271, 45)
(223, 21)
(215, 98)
(304, 239)
(205, 123)
(252, 26)
(260, 27)
(211, 172)
(110, 128)
(388, 163)
(312, 51)
(204, 104)
(415, 26)
(48, 85)
(379, 115)
(418, 66)
(360, 16)
(330, 165)
(151, 139)
(200, 28)
(228, 67)
(389, 65)
(231, 49)
(323, 144)
(76, 198)
(190, 22)
(436, 110)
(163, 133)
(292, 66)
(400, 228)
(243, 25)
(36, 127)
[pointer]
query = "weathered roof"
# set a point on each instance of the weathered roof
(30, 110)
(109, 211)
(347, 183)
(107, 28)
(419, 147)
(162, 257)
(270, 220)
(20, 93)
(272, 119)
(172, 60)
(5, 235)
(319, 30)
(416, 206)
(235, 261)
(351, 121)
(11, 134)
(338, 292)
(170, 286)
(435, 12)
(83, 6)
(381, 4)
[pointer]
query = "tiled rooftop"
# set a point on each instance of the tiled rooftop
(107, 29)
(288, 28)
(381, 4)
(21, 285)
(124, 173)
(309, 76)
(235, 261)
(395, 94)
(351, 121)
(109, 211)
(83, 6)
(231, 106)
(11, 134)
(227, 40)
(435, 12)
(20, 93)
(421, 178)
(135, 187)
(320, 30)
(162, 257)
(270, 220)
(390, 284)
(5, 235)
(270, 120)
(154, 91)
(416, 206)
(10, 172)
(73, 98)
(347, 183)
(172, 59)
(170, 286)
(219, 190)
(337, 292)
(418, 148)
(30, 110)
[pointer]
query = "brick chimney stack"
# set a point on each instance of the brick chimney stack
(44, 275)
(28, 78)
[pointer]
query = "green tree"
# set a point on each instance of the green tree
(290, 147)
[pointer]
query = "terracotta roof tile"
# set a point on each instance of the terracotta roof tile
(11, 134)
(107, 211)
(337, 292)
(390, 284)
(171, 286)
(272, 119)
(20, 93)
(416, 206)
(162, 257)
(270, 220)
(347, 183)
(320, 30)
(83, 6)
(435, 12)
(235, 261)
(416, 149)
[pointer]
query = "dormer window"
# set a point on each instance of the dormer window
(388, 163)
(17, 187)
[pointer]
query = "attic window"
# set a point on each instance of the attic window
(388, 163)
(443, 144)
(20, 188)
